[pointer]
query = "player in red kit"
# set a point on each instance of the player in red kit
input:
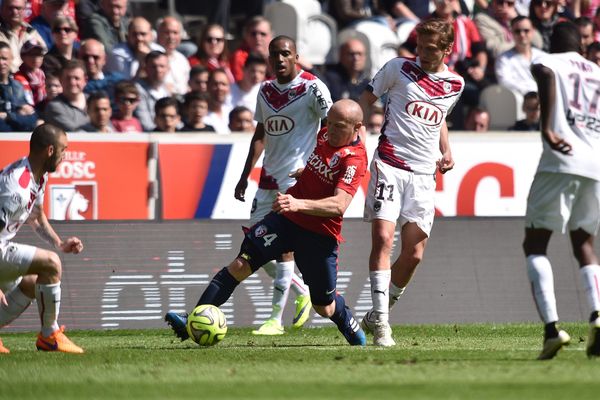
(307, 219)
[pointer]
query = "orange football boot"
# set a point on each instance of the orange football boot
(3, 350)
(58, 341)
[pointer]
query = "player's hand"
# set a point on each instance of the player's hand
(3, 298)
(296, 174)
(446, 163)
(557, 143)
(285, 203)
(72, 245)
(240, 189)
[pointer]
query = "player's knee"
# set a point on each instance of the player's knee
(325, 311)
(51, 267)
(382, 240)
(239, 269)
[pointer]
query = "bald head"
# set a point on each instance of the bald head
(344, 123)
(348, 109)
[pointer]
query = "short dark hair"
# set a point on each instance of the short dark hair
(73, 64)
(238, 110)
(565, 37)
(165, 102)
(255, 58)
(531, 96)
(595, 46)
(95, 96)
(518, 19)
(153, 55)
(4, 45)
(582, 22)
(43, 136)
(125, 87)
(197, 70)
(194, 96)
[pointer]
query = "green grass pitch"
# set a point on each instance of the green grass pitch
(482, 361)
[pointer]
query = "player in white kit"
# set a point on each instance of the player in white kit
(421, 92)
(289, 112)
(27, 272)
(565, 193)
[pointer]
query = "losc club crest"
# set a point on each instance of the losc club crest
(75, 201)
(260, 231)
(335, 159)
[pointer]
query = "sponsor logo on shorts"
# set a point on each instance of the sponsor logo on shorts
(260, 231)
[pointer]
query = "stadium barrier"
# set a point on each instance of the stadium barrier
(132, 272)
(184, 176)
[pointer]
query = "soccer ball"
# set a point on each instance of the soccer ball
(206, 325)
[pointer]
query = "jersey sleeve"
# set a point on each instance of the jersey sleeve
(352, 171)
(321, 98)
(384, 78)
(258, 113)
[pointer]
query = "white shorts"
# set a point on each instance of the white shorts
(262, 204)
(398, 195)
(561, 202)
(15, 260)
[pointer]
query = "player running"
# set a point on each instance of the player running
(565, 193)
(308, 221)
(27, 272)
(289, 111)
(421, 92)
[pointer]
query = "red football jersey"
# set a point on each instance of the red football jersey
(328, 168)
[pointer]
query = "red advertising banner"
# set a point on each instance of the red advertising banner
(96, 180)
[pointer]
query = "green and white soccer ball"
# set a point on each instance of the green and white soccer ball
(206, 325)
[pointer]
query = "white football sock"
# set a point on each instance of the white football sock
(271, 268)
(298, 285)
(540, 275)
(395, 293)
(590, 281)
(48, 300)
(281, 287)
(17, 303)
(380, 293)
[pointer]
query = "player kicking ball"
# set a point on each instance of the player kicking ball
(307, 219)
(27, 272)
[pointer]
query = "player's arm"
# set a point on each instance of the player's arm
(257, 146)
(446, 163)
(40, 224)
(547, 93)
(367, 98)
(332, 206)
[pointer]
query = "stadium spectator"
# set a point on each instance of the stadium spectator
(494, 26)
(15, 112)
(531, 109)
(128, 97)
(375, 121)
(65, 49)
(349, 77)
(49, 10)
(565, 192)
(68, 110)
(593, 53)
(93, 56)
(478, 120)
(152, 87)
(544, 15)
(219, 105)
(597, 26)
(586, 30)
(350, 12)
(29, 272)
(287, 125)
(513, 67)
(53, 89)
(166, 115)
(198, 79)
(169, 37)
(402, 183)
(30, 73)
(14, 30)
(100, 112)
(256, 37)
(126, 58)
(212, 52)
(306, 220)
(241, 120)
(245, 91)
(403, 10)
(109, 25)
(196, 108)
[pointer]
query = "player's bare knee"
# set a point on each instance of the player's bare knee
(239, 269)
(51, 267)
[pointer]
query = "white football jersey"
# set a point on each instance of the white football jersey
(18, 194)
(576, 115)
(417, 105)
(291, 115)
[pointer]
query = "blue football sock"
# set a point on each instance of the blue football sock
(346, 323)
(219, 289)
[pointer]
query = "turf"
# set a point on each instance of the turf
(430, 361)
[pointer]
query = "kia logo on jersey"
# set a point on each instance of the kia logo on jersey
(425, 113)
(278, 125)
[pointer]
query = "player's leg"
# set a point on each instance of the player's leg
(583, 227)
(316, 256)
(48, 268)
(18, 298)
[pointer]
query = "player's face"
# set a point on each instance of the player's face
(430, 53)
(57, 155)
(283, 58)
(340, 131)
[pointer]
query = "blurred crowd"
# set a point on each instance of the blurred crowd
(97, 66)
